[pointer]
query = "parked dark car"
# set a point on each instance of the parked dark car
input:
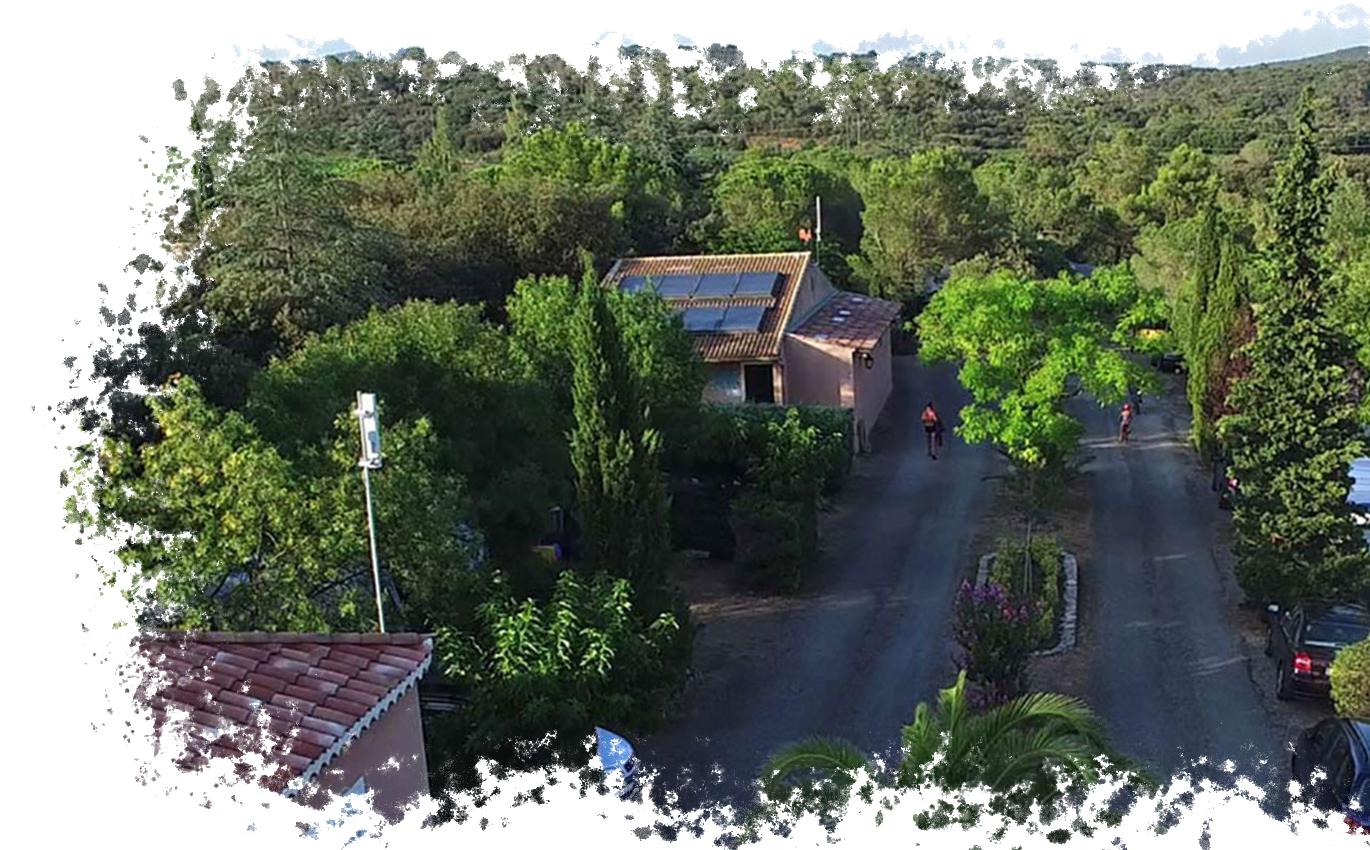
(1340, 748)
(1303, 640)
(1172, 362)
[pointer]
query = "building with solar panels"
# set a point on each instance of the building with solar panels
(774, 330)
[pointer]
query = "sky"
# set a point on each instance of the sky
(1191, 43)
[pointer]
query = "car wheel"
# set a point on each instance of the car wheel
(1282, 687)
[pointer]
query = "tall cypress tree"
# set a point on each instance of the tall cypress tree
(622, 497)
(202, 177)
(60, 214)
(1295, 432)
(1199, 355)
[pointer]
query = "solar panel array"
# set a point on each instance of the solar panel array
(727, 285)
(733, 318)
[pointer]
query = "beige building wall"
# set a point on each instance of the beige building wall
(818, 373)
(873, 388)
(397, 734)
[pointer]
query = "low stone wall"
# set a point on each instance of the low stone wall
(1069, 612)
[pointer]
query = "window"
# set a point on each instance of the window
(760, 383)
(345, 826)
(1335, 634)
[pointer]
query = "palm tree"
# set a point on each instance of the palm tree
(1009, 779)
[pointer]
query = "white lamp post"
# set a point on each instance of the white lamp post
(371, 459)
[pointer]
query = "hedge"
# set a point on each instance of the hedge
(734, 437)
(1007, 571)
(1350, 675)
(777, 539)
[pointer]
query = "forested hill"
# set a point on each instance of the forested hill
(687, 96)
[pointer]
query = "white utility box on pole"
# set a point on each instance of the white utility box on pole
(371, 459)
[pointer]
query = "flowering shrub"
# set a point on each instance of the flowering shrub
(996, 638)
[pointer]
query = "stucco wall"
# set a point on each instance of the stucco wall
(818, 373)
(874, 385)
(397, 734)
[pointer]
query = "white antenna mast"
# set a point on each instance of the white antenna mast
(371, 459)
(818, 199)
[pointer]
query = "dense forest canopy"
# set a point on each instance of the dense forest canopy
(696, 96)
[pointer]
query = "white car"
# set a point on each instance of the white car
(618, 769)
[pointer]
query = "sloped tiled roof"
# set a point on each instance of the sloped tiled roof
(192, 739)
(850, 320)
(764, 344)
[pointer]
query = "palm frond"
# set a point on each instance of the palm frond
(822, 754)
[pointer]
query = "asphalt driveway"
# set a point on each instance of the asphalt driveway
(1170, 674)
(852, 657)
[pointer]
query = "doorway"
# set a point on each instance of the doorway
(759, 383)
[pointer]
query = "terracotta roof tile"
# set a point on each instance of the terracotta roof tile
(181, 738)
(850, 320)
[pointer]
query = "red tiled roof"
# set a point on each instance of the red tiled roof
(850, 320)
(184, 739)
(762, 345)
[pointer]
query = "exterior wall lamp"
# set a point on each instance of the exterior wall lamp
(867, 360)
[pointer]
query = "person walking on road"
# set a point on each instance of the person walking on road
(932, 426)
(1125, 424)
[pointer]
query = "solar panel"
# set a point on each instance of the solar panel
(677, 285)
(716, 286)
(703, 319)
(633, 284)
(741, 319)
(757, 283)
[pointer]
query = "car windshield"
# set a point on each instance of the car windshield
(1335, 634)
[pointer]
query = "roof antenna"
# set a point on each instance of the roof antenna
(818, 236)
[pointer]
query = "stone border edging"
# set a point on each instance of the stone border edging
(1069, 618)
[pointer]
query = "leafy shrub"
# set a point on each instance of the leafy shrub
(1007, 571)
(996, 638)
(777, 539)
(515, 767)
(738, 438)
(1350, 675)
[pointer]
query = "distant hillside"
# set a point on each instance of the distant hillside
(1345, 54)
(674, 100)
(382, 52)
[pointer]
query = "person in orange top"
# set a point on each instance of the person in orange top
(932, 426)
(1125, 424)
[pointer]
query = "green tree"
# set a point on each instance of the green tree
(437, 160)
(1024, 347)
(1019, 776)
(100, 172)
(766, 196)
(1294, 432)
(285, 258)
(1183, 184)
(1118, 169)
(660, 352)
(648, 199)
(60, 214)
(615, 452)
(921, 215)
(442, 363)
(227, 534)
(23, 169)
(1040, 202)
(202, 176)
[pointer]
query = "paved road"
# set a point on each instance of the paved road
(1169, 676)
(853, 658)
